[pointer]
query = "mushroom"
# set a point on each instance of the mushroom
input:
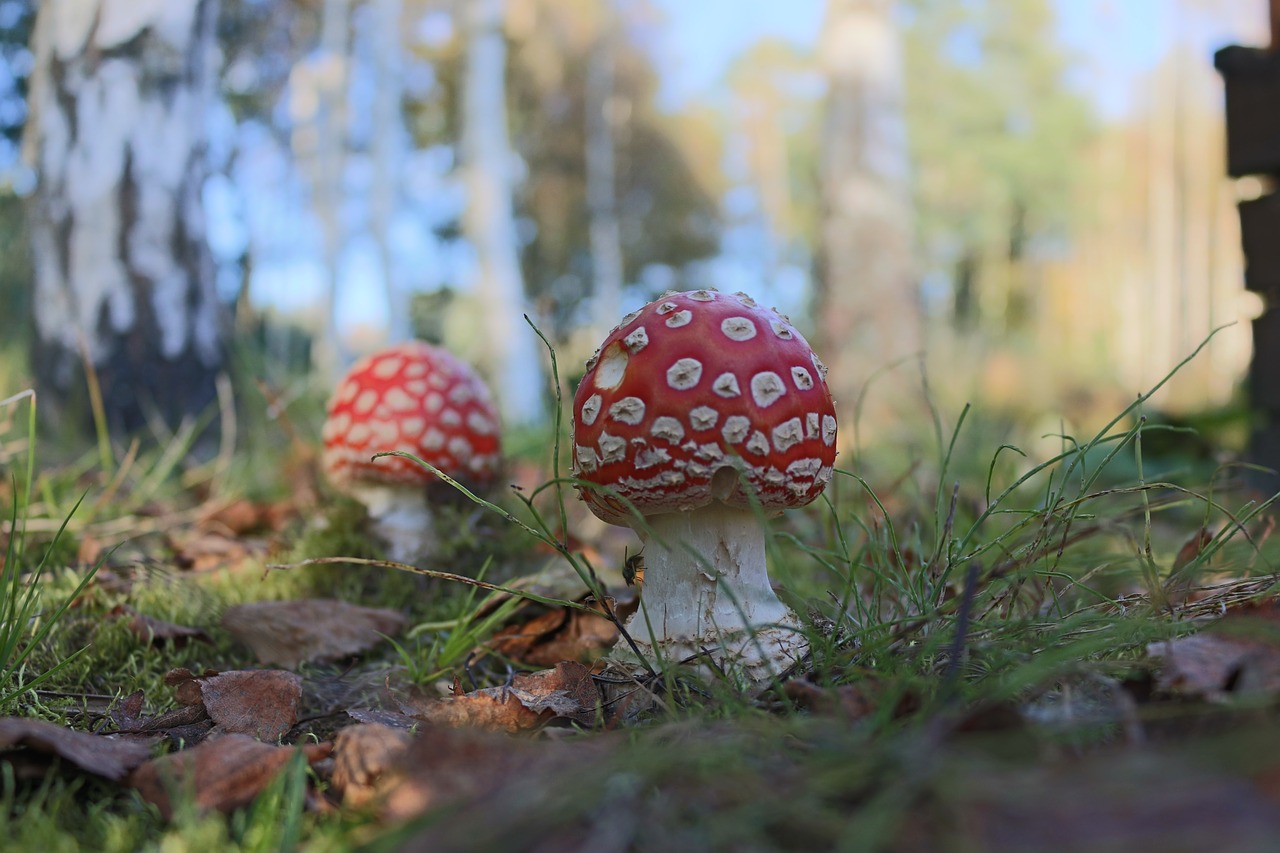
(416, 398)
(698, 412)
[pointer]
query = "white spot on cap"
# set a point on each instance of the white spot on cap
(590, 410)
(703, 296)
(412, 427)
(735, 429)
(667, 428)
(459, 447)
(666, 308)
(398, 401)
(726, 385)
(651, 456)
(711, 452)
(684, 374)
(358, 434)
(612, 448)
(347, 392)
(745, 299)
(824, 475)
(628, 410)
(828, 430)
(637, 340)
(738, 328)
(781, 329)
(336, 426)
(450, 417)
(758, 444)
(461, 394)
(703, 417)
(787, 435)
(806, 468)
(387, 367)
(433, 439)
(802, 377)
(612, 367)
(818, 365)
(678, 319)
(433, 403)
(416, 387)
(811, 421)
(586, 457)
(766, 388)
(438, 380)
(480, 424)
(366, 401)
(384, 433)
(415, 369)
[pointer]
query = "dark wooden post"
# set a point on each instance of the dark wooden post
(1252, 78)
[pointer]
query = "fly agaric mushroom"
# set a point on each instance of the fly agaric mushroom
(698, 411)
(422, 400)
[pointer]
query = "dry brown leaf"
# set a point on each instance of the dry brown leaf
(222, 774)
(362, 755)
(1192, 549)
(557, 635)
(529, 702)
(262, 703)
(186, 724)
(445, 765)
(149, 629)
(849, 701)
(105, 756)
(1238, 654)
(204, 551)
(287, 633)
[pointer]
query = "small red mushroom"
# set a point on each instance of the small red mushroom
(419, 399)
(698, 411)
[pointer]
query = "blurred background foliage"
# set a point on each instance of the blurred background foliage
(1074, 233)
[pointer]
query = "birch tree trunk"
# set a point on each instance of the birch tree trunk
(867, 310)
(514, 362)
(606, 241)
(123, 276)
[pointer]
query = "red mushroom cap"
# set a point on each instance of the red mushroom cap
(416, 398)
(693, 385)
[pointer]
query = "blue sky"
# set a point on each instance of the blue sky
(1116, 39)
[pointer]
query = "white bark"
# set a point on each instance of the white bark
(706, 589)
(120, 97)
(515, 360)
(606, 240)
(387, 159)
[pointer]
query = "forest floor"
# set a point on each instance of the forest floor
(1080, 652)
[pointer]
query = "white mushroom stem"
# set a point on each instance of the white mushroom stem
(401, 517)
(706, 588)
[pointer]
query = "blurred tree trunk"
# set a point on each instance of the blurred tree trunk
(328, 77)
(386, 145)
(123, 275)
(514, 361)
(867, 310)
(602, 206)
